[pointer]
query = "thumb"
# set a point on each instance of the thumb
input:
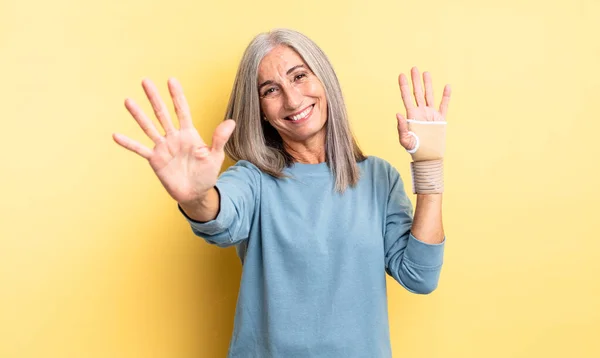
(222, 134)
(402, 125)
(406, 140)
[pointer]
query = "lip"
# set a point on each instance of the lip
(300, 121)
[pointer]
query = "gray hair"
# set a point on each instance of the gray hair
(256, 141)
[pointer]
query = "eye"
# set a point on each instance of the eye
(269, 91)
(299, 76)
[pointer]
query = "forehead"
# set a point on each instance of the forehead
(277, 62)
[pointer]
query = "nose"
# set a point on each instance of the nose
(293, 98)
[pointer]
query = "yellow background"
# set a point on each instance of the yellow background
(96, 261)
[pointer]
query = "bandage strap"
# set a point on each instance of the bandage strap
(428, 176)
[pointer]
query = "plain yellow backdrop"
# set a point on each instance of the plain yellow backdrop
(96, 260)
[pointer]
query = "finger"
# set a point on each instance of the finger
(132, 145)
(417, 86)
(182, 109)
(159, 107)
(222, 134)
(428, 89)
(407, 97)
(402, 125)
(406, 140)
(144, 122)
(445, 100)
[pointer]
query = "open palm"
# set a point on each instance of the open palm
(183, 163)
(421, 107)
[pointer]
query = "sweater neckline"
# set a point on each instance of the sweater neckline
(304, 168)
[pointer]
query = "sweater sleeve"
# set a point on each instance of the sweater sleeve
(414, 264)
(239, 188)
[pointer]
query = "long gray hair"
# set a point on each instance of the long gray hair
(256, 141)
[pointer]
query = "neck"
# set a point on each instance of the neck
(310, 152)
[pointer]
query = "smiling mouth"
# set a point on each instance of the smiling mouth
(305, 113)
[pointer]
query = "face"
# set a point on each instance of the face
(291, 97)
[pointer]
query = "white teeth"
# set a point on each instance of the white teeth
(301, 115)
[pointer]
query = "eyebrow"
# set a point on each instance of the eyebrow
(269, 82)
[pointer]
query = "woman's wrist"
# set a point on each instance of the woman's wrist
(428, 176)
(204, 208)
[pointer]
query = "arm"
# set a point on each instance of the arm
(416, 261)
(226, 218)
(427, 225)
(410, 259)
(188, 168)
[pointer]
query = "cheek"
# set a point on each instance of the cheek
(324, 111)
(318, 91)
(269, 109)
(315, 89)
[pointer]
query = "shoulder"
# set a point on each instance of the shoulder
(379, 171)
(376, 165)
(245, 165)
(243, 170)
(375, 161)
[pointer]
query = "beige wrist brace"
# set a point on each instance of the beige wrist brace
(427, 168)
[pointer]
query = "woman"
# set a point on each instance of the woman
(316, 223)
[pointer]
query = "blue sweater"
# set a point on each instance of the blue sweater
(314, 261)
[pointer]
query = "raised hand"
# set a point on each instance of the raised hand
(421, 107)
(183, 163)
